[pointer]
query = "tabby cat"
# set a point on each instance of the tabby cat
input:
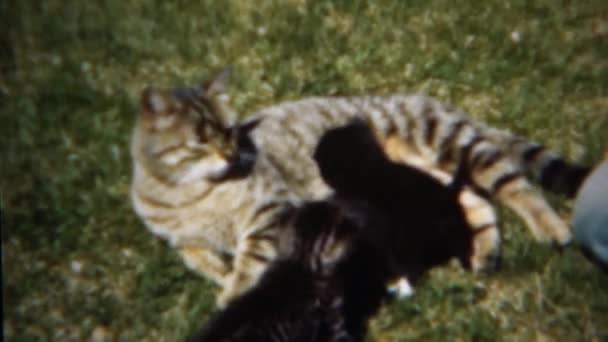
(203, 187)
(187, 143)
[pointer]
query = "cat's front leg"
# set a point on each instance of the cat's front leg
(253, 256)
(210, 263)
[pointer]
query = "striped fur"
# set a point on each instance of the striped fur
(224, 222)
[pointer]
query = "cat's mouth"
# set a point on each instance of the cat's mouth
(210, 151)
(239, 151)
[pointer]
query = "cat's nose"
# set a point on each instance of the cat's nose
(590, 218)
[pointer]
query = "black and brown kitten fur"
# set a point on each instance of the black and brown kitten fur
(298, 298)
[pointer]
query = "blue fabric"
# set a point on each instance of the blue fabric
(590, 219)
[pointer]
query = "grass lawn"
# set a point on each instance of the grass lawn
(78, 264)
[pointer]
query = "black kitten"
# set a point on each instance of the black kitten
(298, 298)
(410, 222)
(428, 226)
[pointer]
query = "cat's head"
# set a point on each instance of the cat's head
(185, 134)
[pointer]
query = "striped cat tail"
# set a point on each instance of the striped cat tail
(551, 171)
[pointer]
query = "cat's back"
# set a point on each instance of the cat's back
(288, 133)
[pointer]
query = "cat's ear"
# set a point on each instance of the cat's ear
(215, 92)
(248, 125)
(153, 101)
(218, 85)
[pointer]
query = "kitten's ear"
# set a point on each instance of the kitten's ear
(219, 84)
(153, 101)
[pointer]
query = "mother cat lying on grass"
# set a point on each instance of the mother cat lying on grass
(217, 189)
